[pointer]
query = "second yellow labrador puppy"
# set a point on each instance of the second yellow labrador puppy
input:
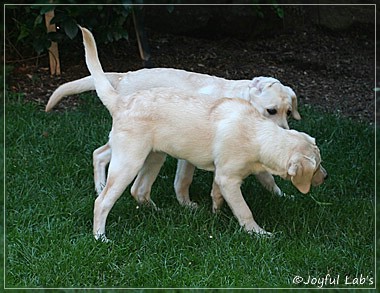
(273, 99)
(227, 136)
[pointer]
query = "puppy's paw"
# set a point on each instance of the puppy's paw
(264, 233)
(192, 205)
(260, 232)
(277, 191)
(102, 238)
(148, 204)
(189, 204)
(216, 210)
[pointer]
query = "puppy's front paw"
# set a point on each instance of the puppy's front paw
(102, 238)
(264, 233)
(216, 209)
(277, 191)
(189, 204)
(260, 232)
(192, 205)
(148, 204)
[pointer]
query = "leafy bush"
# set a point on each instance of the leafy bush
(25, 25)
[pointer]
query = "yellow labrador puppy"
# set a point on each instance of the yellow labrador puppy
(227, 136)
(269, 96)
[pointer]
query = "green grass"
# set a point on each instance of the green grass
(50, 195)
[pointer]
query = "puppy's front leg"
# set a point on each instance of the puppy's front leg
(266, 179)
(183, 179)
(100, 158)
(142, 186)
(217, 198)
(230, 188)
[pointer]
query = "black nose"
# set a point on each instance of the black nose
(327, 176)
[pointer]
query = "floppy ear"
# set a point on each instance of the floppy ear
(261, 82)
(295, 113)
(301, 171)
(257, 83)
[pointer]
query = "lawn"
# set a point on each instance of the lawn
(323, 239)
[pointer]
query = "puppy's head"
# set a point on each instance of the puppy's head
(304, 166)
(274, 100)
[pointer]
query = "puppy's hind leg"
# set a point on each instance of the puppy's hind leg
(266, 179)
(101, 158)
(125, 164)
(142, 186)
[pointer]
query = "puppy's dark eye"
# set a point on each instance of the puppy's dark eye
(272, 111)
(289, 113)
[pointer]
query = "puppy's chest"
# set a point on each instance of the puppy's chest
(251, 167)
(255, 167)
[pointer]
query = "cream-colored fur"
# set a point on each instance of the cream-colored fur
(267, 94)
(227, 136)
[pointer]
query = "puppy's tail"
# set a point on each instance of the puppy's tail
(79, 86)
(70, 88)
(107, 94)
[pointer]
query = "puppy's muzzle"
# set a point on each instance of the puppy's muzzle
(319, 176)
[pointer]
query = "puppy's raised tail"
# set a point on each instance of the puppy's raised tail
(107, 94)
(70, 88)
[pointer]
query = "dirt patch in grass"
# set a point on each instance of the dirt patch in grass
(334, 71)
